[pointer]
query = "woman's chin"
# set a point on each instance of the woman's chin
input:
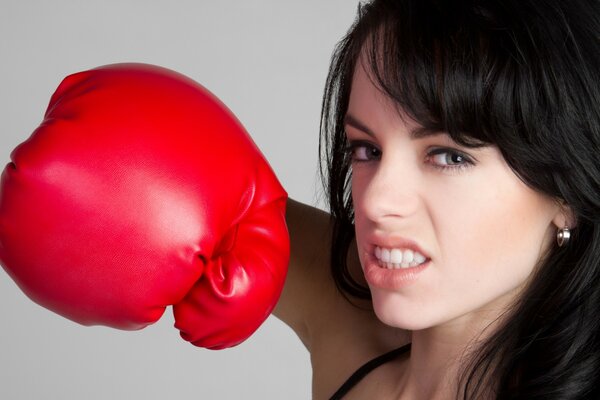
(397, 312)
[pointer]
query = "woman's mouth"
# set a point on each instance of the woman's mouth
(397, 258)
(393, 268)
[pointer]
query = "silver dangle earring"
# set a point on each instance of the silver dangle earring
(562, 236)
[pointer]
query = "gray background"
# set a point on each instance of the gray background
(267, 60)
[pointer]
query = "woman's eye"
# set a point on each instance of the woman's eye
(448, 159)
(360, 151)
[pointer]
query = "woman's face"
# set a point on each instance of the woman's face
(480, 229)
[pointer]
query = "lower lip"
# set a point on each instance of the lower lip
(391, 278)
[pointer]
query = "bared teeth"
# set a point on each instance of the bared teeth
(398, 258)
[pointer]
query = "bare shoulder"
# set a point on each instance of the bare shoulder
(309, 237)
(340, 335)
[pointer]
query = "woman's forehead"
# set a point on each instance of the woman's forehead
(369, 102)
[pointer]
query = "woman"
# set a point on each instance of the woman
(460, 142)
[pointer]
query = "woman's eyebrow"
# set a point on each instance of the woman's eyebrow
(416, 133)
(356, 124)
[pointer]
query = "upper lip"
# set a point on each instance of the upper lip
(395, 242)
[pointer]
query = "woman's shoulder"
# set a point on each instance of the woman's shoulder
(341, 334)
(310, 303)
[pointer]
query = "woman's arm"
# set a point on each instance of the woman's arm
(311, 303)
(303, 294)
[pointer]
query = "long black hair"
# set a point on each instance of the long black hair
(523, 75)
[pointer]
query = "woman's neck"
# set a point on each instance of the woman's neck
(439, 354)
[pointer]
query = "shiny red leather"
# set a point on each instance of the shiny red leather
(141, 190)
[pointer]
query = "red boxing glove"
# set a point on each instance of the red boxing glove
(141, 190)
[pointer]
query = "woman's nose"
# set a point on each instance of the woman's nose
(391, 192)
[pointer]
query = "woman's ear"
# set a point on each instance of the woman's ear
(565, 217)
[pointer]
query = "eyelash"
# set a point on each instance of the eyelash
(353, 146)
(467, 162)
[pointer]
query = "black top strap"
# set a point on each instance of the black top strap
(366, 368)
